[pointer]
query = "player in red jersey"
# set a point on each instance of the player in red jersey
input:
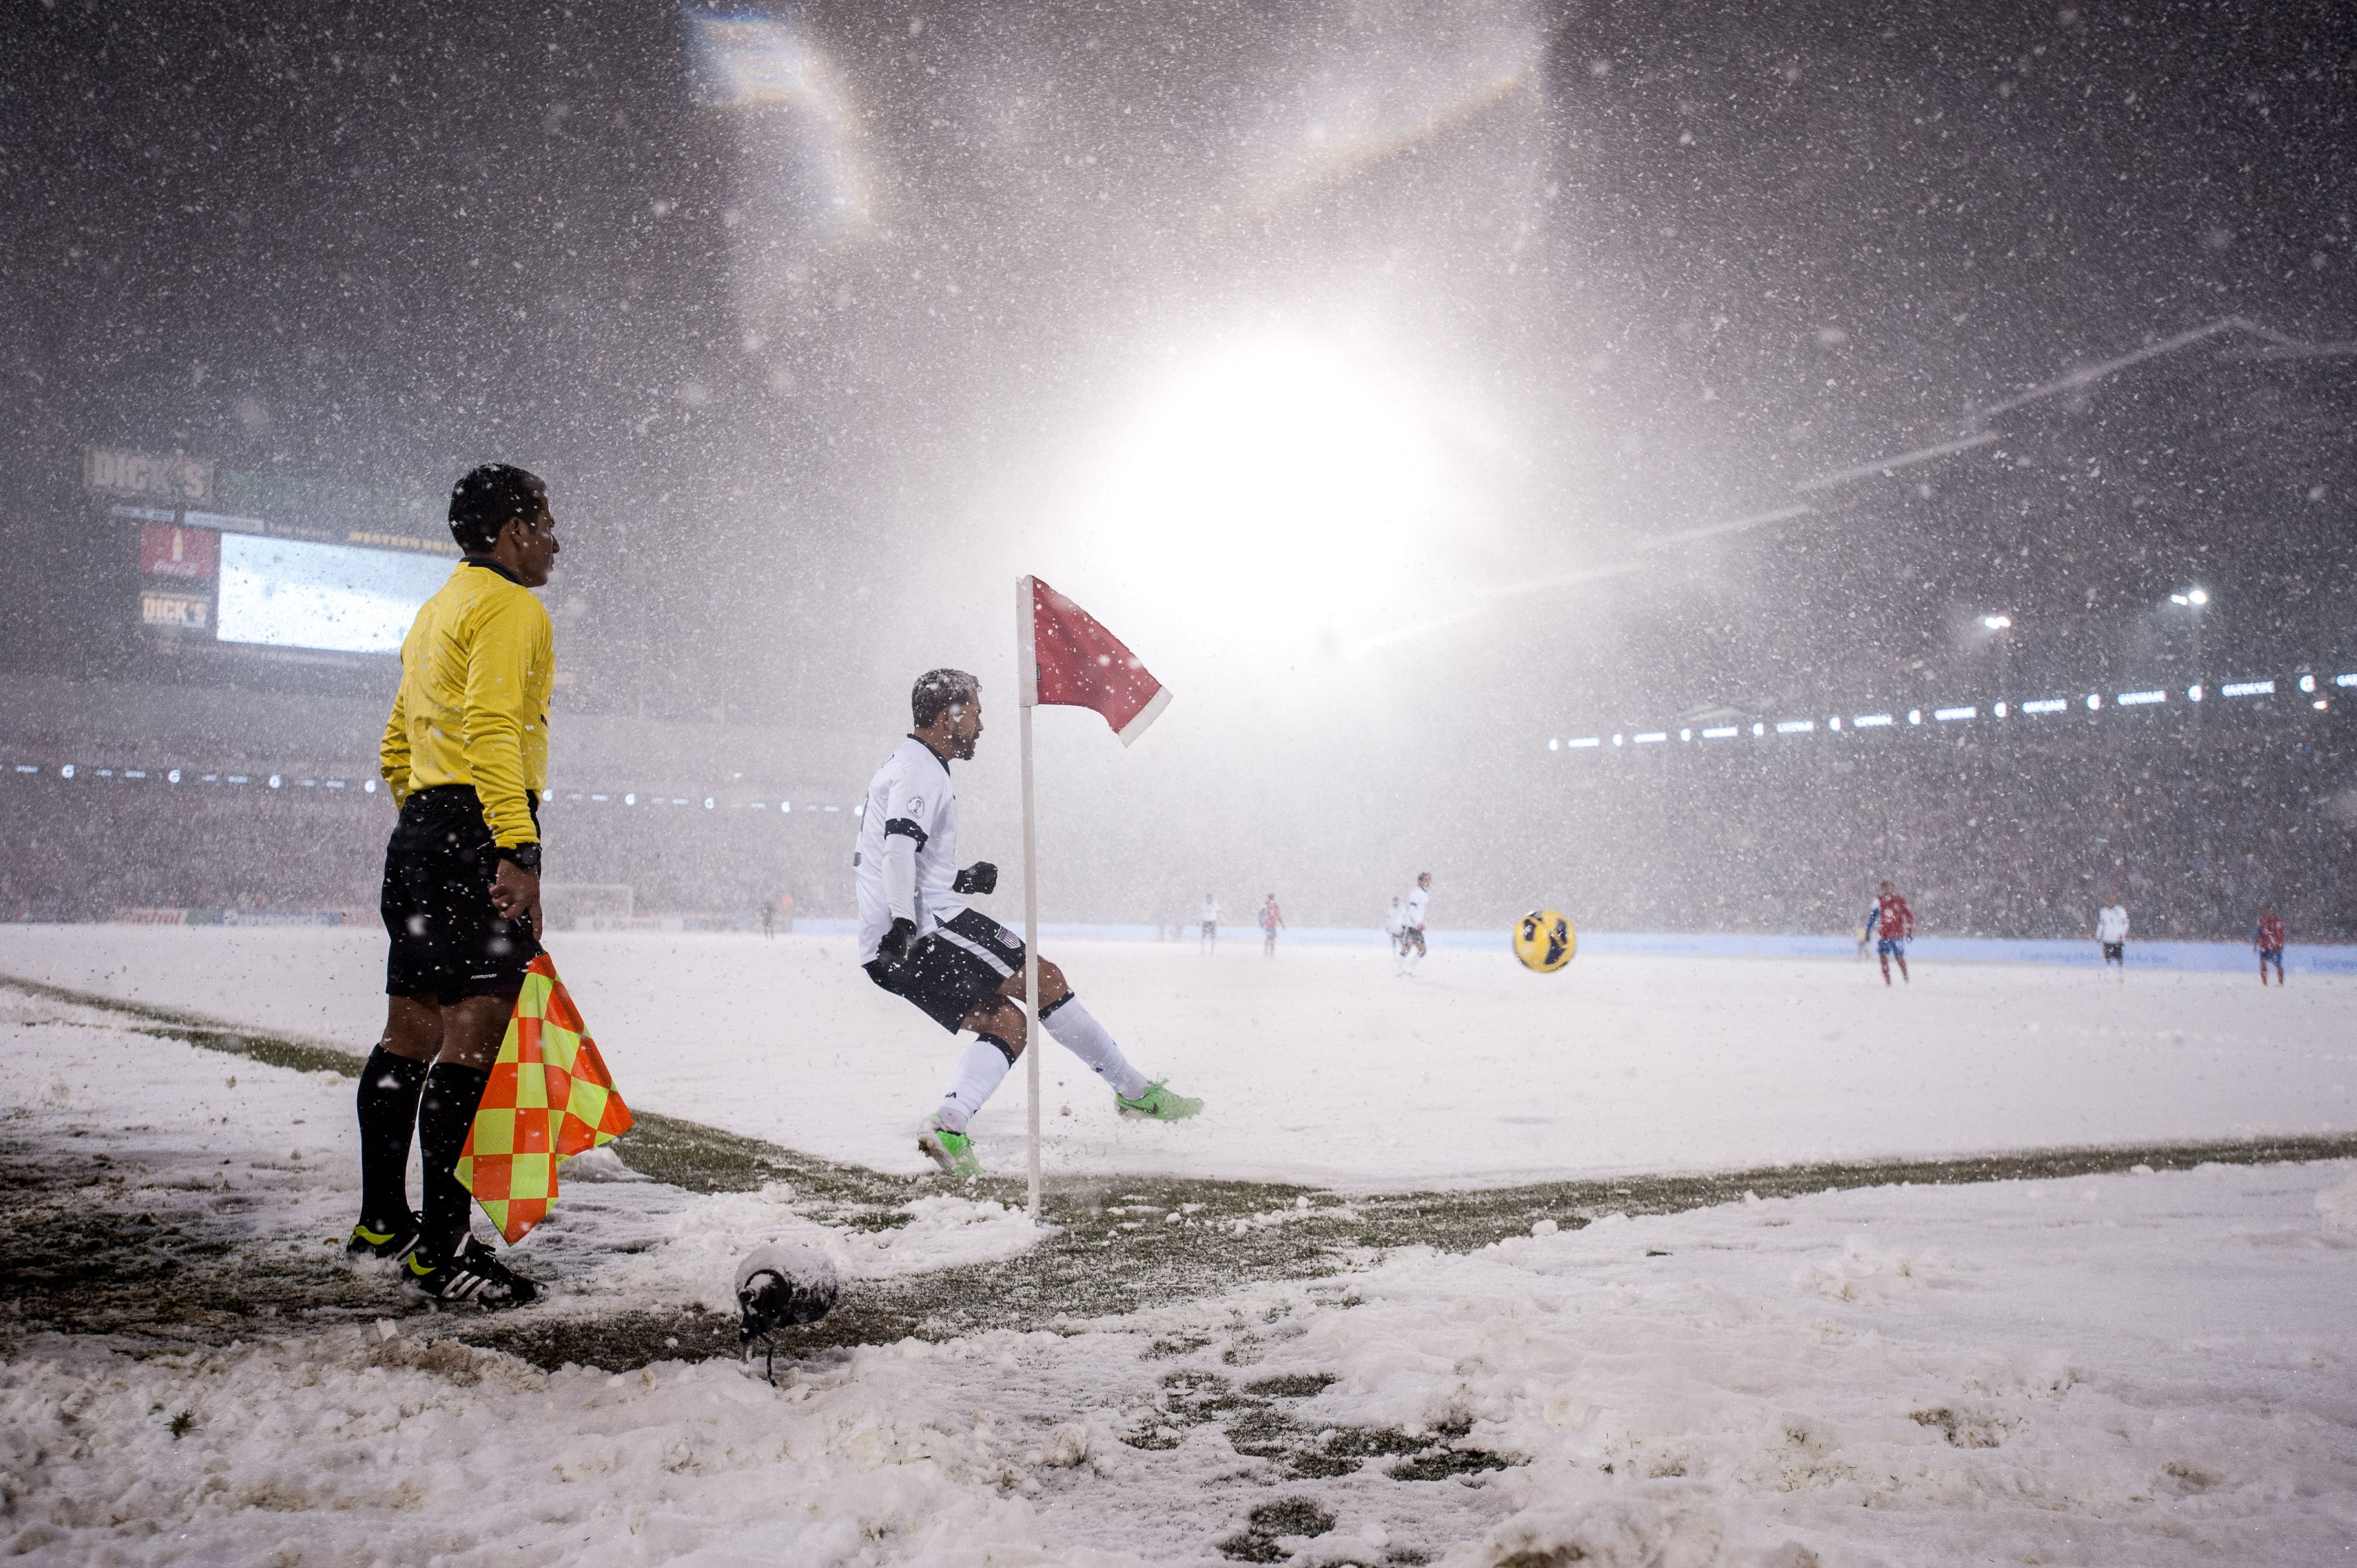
(2269, 939)
(1894, 927)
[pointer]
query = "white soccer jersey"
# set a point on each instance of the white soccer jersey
(910, 796)
(1396, 918)
(2112, 923)
(1210, 911)
(1417, 898)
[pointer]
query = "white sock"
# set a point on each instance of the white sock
(979, 1073)
(1083, 1035)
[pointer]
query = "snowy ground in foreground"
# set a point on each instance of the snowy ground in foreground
(2137, 1369)
(1320, 1066)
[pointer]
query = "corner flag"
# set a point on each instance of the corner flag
(1066, 659)
(1071, 660)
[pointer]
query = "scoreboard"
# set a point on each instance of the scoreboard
(284, 576)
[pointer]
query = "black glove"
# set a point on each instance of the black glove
(894, 948)
(979, 877)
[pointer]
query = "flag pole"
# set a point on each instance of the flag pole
(1026, 659)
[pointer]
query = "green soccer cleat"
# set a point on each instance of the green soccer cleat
(1157, 1104)
(954, 1152)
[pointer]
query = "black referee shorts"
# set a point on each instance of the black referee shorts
(958, 965)
(447, 941)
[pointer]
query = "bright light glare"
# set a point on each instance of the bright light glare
(1997, 623)
(2198, 596)
(1281, 482)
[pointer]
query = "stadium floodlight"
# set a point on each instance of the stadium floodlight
(2193, 693)
(1721, 732)
(2140, 699)
(1952, 715)
(1914, 715)
(2095, 701)
(2045, 706)
(1795, 726)
(1997, 623)
(2197, 595)
(1652, 737)
(1583, 743)
(2307, 682)
(2248, 689)
(1871, 720)
(1998, 709)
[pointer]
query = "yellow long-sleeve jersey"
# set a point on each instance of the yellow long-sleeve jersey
(472, 707)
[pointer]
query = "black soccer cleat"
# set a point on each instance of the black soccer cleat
(475, 1275)
(392, 1240)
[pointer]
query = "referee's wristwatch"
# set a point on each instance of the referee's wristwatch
(525, 855)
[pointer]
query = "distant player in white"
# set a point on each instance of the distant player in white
(1211, 937)
(2112, 931)
(1411, 945)
(919, 939)
(1395, 922)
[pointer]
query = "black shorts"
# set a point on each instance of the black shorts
(960, 964)
(2115, 952)
(447, 941)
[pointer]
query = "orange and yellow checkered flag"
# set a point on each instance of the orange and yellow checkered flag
(549, 1098)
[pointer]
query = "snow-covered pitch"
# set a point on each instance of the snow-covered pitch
(1321, 1066)
(2148, 1369)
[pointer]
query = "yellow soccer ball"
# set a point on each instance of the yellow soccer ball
(1545, 941)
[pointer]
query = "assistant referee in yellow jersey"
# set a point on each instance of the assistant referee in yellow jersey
(466, 756)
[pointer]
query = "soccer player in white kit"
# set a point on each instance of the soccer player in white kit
(1395, 922)
(2112, 931)
(919, 939)
(1209, 940)
(1411, 941)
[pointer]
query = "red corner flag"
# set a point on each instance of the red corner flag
(1071, 661)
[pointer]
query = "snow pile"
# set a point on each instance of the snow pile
(343, 1448)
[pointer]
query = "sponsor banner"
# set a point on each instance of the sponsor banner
(178, 478)
(177, 551)
(178, 612)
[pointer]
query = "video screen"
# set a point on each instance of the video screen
(289, 594)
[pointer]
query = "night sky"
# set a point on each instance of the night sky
(375, 244)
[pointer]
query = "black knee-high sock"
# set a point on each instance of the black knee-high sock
(445, 1111)
(388, 1108)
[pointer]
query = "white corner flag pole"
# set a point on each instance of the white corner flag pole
(1027, 661)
